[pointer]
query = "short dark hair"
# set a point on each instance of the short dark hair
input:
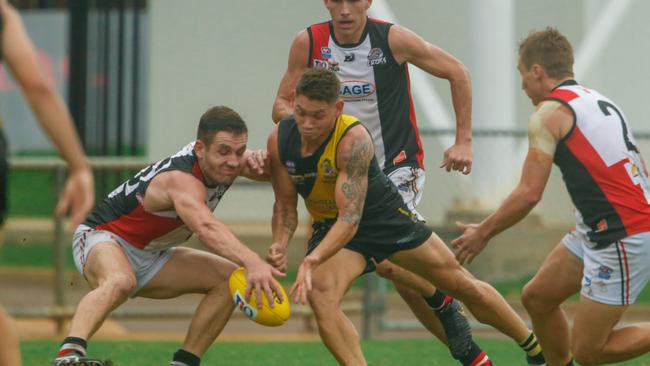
(319, 84)
(218, 119)
(550, 49)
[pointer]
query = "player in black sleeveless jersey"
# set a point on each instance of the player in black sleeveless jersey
(360, 220)
(19, 54)
(371, 58)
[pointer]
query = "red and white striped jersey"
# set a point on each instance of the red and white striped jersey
(375, 88)
(122, 211)
(601, 167)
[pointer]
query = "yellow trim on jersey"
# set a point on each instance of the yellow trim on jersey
(321, 202)
(539, 136)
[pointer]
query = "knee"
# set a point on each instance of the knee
(535, 300)
(323, 301)
(120, 285)
(385, 270)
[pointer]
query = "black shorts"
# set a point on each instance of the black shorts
(378, 239)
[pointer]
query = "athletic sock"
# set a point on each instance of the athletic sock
(438, 300)
(184, 358)
(532, 347)
(73, 345)
(475, 357)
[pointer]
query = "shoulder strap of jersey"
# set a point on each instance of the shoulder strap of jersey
(319, 35)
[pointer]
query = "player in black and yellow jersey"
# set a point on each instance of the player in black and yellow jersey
(359, 220)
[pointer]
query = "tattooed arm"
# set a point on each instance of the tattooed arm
(354, 154)
(285, 214)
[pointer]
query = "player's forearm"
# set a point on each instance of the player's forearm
(56, 121)
(281, 108)
(336, 238)
(461, 93)
(518, 204)
(219, 239)
(283, 223)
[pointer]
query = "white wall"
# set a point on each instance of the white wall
(206, 52)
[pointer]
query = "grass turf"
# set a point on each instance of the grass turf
(378, 353)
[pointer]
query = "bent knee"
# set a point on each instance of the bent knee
(535, 299)
(120, 284)
(385, 269)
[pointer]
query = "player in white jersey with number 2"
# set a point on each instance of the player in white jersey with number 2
(607, 256)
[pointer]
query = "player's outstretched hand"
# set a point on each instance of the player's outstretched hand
(458, 158)
(259, 277)
(78, 196)
(277, 256)
(470, 244)
(302, 286)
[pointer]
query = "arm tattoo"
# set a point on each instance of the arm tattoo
(354, 189)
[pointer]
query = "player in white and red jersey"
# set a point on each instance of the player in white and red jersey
(607, 256)
(127, 246)
(370, 58)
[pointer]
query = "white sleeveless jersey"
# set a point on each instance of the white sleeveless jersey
(375, 89)
(601, 167)
(122, 211)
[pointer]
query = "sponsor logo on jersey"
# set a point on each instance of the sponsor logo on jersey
(300, 179)
(291, 166)
(376, 57)
(329, 173)
(349, 57)
(326, 52)
(330, 65)
(356, 89)
(605, 272)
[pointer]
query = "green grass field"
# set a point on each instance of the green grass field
(405, 352)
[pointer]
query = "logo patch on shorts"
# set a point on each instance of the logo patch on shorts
(605, 272)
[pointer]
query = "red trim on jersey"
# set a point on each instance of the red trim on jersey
(320, 34)
(626, 280)
(562, 94)
(140, 227)
(198, 173)
(625, 197)
(414, 123)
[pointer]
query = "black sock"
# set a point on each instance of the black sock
(73, 344)
(474, 355)
(438, 300)
(187, 358)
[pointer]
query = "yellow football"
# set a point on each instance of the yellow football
(267, 315)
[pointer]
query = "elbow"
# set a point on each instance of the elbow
(35, 88)
(532, 197)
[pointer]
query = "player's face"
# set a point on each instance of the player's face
(221, 161)
(315, 119)
(530, 83)
(348, 18)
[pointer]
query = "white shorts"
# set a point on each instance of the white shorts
(409, 182)
(616, 274)
(145, 264)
